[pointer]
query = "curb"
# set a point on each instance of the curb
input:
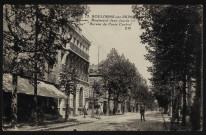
(53, 127)
(63, 126)
(60, 126)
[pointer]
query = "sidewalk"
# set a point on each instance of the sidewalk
(73, 121)
(52, 125)
(176, 126)
(167, 120)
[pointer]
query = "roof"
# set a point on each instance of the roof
(24, 87)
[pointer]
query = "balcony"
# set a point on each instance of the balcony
(79, 51)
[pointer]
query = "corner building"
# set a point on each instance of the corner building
(74, 54)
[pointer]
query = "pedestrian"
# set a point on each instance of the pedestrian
(142, 111)
(99, 111)
(123, 109)
(84, 111)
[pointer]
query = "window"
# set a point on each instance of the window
(50, 65)
(80, 46)
(91, 71)
(77, 42)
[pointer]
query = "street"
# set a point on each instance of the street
(89, 67)
(126, 122)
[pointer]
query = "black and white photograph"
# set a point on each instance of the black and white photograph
(102, 67)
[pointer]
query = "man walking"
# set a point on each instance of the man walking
(142, 111)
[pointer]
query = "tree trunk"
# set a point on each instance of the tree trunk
(108, 103)
(67, 91)
(74, 104)
(184, 102)
(123, 106)
(172, 105)
(92, 116)
(137, 107)
(189, 93)
(196, 108)
(115, 105)
(35, 70)
(66, 111)
(165, 109)
(178, 108)
(14, 102)
(74, 99)
(35, 101)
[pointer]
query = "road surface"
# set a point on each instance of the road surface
(126, 122)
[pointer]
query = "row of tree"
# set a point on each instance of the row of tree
(123, 81)
(32, 36)
(173, 35)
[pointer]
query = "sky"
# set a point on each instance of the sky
(126, 42)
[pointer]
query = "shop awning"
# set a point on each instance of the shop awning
(24, 87)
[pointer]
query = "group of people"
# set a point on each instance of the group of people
(98, 112)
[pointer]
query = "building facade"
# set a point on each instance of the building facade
(75, 54)
(102, 101)
(50, 97)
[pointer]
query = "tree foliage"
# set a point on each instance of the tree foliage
(122, 78)
(173, 40)
(20, 26)
(32, 36)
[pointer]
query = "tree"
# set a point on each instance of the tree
(36, 33)
(97, 90)
(173, 35)
(118, 73)
(66, 82)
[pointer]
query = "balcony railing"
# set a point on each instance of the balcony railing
(79, 51)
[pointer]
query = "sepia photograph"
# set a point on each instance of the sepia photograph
(102, 67)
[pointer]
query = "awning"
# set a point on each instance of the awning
(43, 89)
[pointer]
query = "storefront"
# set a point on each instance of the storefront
(47, 97)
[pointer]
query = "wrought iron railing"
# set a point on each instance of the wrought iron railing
(79, 51)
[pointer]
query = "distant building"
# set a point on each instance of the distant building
(96, 75)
